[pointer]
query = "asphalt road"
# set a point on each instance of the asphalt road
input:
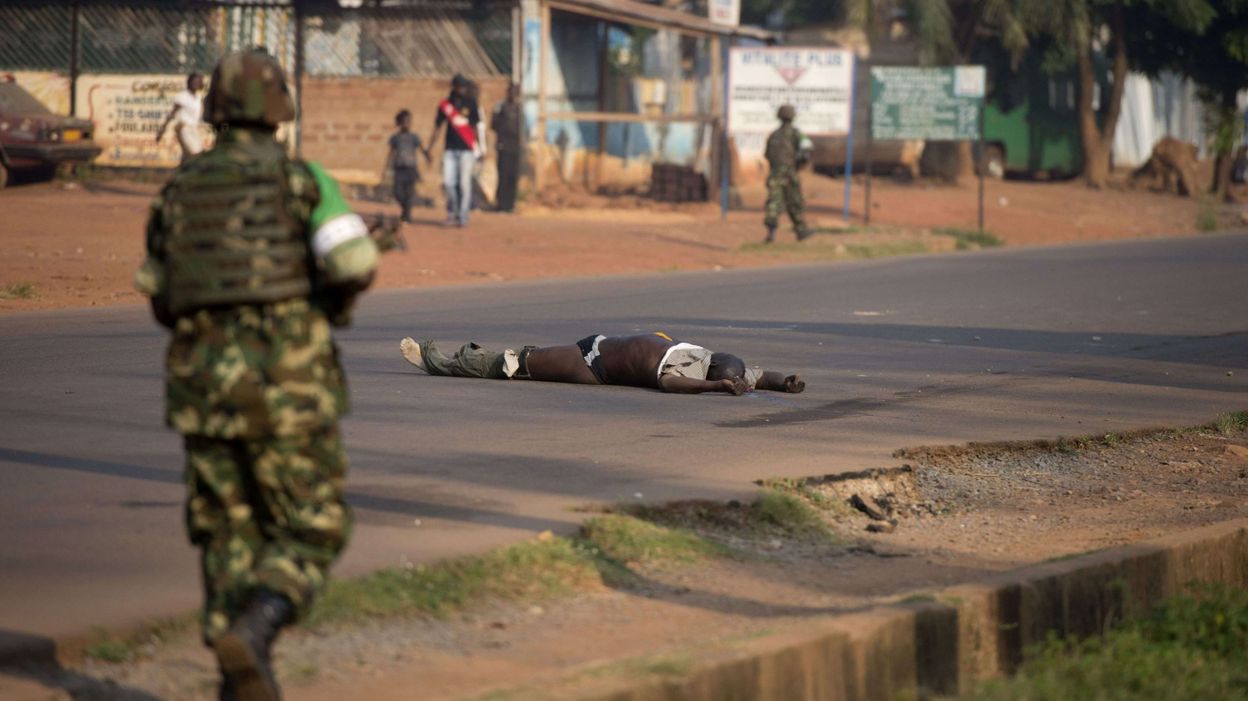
(1003, 344)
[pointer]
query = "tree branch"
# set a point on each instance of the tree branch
(1120, 64)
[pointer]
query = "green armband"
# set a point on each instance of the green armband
(340, 239)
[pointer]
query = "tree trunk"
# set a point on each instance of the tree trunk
(966, 159)
(1097, 139)
(1225, 148)
(1221, 186)
(1095, 155)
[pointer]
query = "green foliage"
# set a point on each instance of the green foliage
(110, 650)
(793, 13)
(947, 31)
(19, 290)
(1234, 422)
(1207, 215)
(969, 239)
(534, 569)
(1194, 647)
(789, 513)
(628, 539)
(543, 568)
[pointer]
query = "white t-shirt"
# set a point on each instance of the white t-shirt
(688, 360)
(190, 109)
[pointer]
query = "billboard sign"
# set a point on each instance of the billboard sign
(128, 111)
(818, 82)
(940, 104)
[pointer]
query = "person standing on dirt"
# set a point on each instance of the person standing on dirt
(459, 113)
(401, 160)
(251, 257)
(787, 151)
(187, 111)
(508, 126)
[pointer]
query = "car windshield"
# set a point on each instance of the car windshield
(17, 101)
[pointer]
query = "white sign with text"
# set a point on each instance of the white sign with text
(725, 12)
(818, 82)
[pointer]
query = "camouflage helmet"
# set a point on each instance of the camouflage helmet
(786, 113)
(248, 87)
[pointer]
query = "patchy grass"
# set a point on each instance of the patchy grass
(1193, 647)
(918, 599)
(1233, 422)
(822, 501)
(1207, 215)
(602, 553)
(536, 569)
(838, 251)
(19, 290)
(628, 539)
(885, 250)
(117, 647)
(776, 513)
(789, 513)
(110, 649)
(668, 666)
(969, 239)
(543, 568)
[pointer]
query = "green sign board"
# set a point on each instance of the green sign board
(940, 104)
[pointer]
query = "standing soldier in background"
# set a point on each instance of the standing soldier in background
(508, 125)
(251, 257)
(787, 151)
(188, 111)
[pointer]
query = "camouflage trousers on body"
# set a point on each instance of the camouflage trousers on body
(470, 360)
(784, 194)
(265, 514)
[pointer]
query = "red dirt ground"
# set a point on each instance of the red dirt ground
(79, 243)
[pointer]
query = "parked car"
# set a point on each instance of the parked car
(32, 137)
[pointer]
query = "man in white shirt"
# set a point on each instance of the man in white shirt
(187, 111)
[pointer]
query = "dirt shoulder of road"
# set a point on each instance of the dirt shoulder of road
(673, 577)
(71, 244)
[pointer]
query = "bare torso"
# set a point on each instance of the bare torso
(626, 360)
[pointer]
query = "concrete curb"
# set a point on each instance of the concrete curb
(965, 634)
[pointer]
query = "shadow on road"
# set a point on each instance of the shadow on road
(33, 657)
(394, 505)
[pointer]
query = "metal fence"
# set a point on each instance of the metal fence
(144, 36)
(430, 39)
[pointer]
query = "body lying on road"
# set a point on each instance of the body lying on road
(653, 361)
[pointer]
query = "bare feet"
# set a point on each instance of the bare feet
(411, 351)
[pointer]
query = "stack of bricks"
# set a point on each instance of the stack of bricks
(676, 183)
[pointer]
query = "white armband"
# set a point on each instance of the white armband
(336, 232)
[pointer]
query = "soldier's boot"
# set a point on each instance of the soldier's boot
(771, 235)
(411, 353)
(803, 232)
(245, 651)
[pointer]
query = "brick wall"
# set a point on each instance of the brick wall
(347, 121)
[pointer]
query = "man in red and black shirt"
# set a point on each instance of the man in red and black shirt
(464, 144)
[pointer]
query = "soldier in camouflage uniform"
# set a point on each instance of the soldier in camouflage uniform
(251, 257)
(787, 151)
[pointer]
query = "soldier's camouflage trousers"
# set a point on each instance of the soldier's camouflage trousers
(266, 514)
(784, 194)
